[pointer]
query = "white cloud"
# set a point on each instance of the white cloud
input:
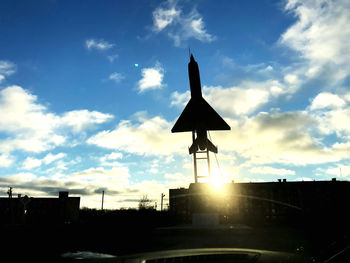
(112, 58)
(232, 101)
(180, 26)
(152, 78)
(291, 79)
(87, 183)
(347, 97)
(271, 170)
(269, 68)
(116, 77)
(176, 180)
(169, 159)
(321, 35)
(98, 44)
(180, 99)
(270, 138)
(277, 80)
(49, 158)
(332, 113)
(114, 156)
(335, 121)
(29, 126)
(163, 17)
(59, 164)
(80, 120)
(341, 171)
(7, 68)
(30, 163)
(148, 136)
(236, 100)
(6, 160)
(110, 159)
(115, 176)
(193, 27)
(16, 179)
(326, 100)
(153, 170)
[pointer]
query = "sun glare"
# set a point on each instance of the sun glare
(216, 181)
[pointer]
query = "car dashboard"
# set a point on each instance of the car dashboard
(203, 255)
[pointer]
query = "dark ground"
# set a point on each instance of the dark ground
(135, 233)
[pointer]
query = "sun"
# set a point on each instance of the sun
(216, 180)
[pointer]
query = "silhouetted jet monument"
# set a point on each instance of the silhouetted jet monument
(199, 117)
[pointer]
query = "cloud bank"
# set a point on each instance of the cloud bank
(29, 126)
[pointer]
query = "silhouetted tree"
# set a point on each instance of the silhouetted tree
(145, 203)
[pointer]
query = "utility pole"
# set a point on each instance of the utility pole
(103, 198)
(161, 204)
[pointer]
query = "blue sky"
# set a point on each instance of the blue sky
(89, 91)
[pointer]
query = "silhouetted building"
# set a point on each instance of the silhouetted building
(279, 202)
(179, 203)
(63, 209)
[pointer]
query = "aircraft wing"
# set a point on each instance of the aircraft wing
(199, 115)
